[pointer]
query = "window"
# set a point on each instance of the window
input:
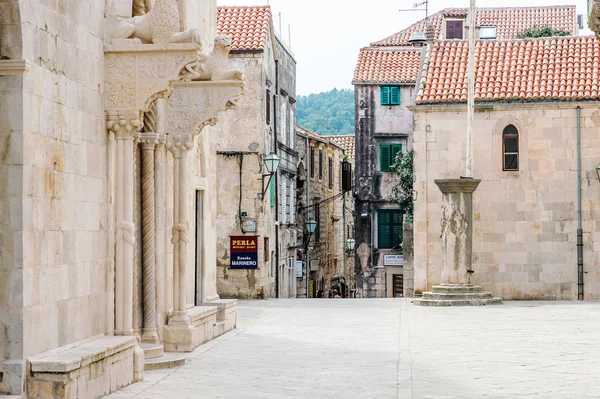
(389, 228)
(387, 156)
(330, 173)
(291, 129)
(320, 164)
(318, 220)
(268, 110)
(454, 29)
(390, 95)
(312, 162)
(292, 202)
(488, 32)
(510, 148)
(284, 198)
(283, 132)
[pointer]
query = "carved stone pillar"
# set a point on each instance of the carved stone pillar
(124, 126)
(180, 147)
(149, 334)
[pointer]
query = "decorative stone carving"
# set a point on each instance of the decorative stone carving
(215, 67)
(162, 24)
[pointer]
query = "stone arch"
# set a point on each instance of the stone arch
(509, 118)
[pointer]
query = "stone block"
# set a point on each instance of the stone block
(185, 337)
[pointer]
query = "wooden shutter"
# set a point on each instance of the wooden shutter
(330, 172)
(272, 192)
(396, 237)
(385, 95)
(320, 164)
(454, 30)
(383, 229)
(283, 125)
(395, 95)
(292, 128)
(284, 200)
(395, 149)
(384, 157)
(292, 202)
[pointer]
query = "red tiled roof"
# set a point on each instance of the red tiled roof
(528, 70)
(344, 141)
(509, 21)
(249, 27)
(324, 139)
(378, 65)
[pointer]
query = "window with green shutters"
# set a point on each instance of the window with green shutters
(387, 156)
(272, 192)
(389, 228)
(390, 95)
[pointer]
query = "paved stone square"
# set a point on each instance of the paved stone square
(388, 348)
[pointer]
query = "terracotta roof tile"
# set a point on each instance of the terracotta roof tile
(379, 65)
(509, 21)
(528, 70)
(346, 142)
(249, 27)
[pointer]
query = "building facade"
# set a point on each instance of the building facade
(385, 88)
(250, 205)
(536, 152)
(108, 206)
(321, 198)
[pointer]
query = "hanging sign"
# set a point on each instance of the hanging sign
(393, 260)
(244, 252)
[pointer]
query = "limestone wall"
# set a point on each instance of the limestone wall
(525, 222)
(245, 129)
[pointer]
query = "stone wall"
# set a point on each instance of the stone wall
(245, 129)
(525, 222)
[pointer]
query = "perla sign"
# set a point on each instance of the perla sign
(244, 252)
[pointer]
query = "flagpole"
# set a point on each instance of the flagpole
(471, 91)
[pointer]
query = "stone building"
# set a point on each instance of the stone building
(250, 206)
(108, 172)
(536, 151)
(385, 88)
(320, 198)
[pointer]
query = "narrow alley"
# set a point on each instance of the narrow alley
(391, 349)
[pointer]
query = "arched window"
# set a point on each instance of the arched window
(510, 148)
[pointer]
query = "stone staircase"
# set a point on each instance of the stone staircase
(157, 359)
(457, 295)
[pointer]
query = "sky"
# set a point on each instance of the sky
(326, 35)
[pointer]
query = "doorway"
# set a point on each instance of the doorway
(398, 286)
(199, 248)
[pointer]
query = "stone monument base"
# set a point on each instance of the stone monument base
(457, 295)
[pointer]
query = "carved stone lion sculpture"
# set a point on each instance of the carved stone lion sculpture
(160, 25)
(215, 66)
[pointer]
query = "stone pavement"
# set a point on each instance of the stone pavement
(334, 348)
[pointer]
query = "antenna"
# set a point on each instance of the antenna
(417, 5)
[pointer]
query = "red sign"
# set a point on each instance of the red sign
(244, 252)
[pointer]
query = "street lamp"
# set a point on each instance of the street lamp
(311, 226)
(350, 243)
(271, 162)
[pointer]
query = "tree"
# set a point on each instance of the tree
(327, 113)
(542, 31)
(402, 193)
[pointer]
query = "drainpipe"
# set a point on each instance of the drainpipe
(275, 138)
(306, 218)
(579, 228)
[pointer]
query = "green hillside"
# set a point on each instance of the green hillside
(327, 113)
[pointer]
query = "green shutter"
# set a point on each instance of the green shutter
(385, 157)
(385, 95)
(395, 95)
(383, 229)
(272, 188)
(396, 238)
(395, 148)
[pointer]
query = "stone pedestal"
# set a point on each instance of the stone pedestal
(457, 249)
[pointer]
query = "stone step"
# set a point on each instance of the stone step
(448, 288)
(219, 328)
(152, 351)
(454, 296)
(458, 302)
(166, 361)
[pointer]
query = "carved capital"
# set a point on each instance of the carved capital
(148, 140)
(124, 125)
(179, 145)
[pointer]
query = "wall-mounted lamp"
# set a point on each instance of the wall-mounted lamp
(350, 243)
(271, 162)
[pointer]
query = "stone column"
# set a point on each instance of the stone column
(149, 334)
(180, 147)
(457, 228)
(124, 126)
